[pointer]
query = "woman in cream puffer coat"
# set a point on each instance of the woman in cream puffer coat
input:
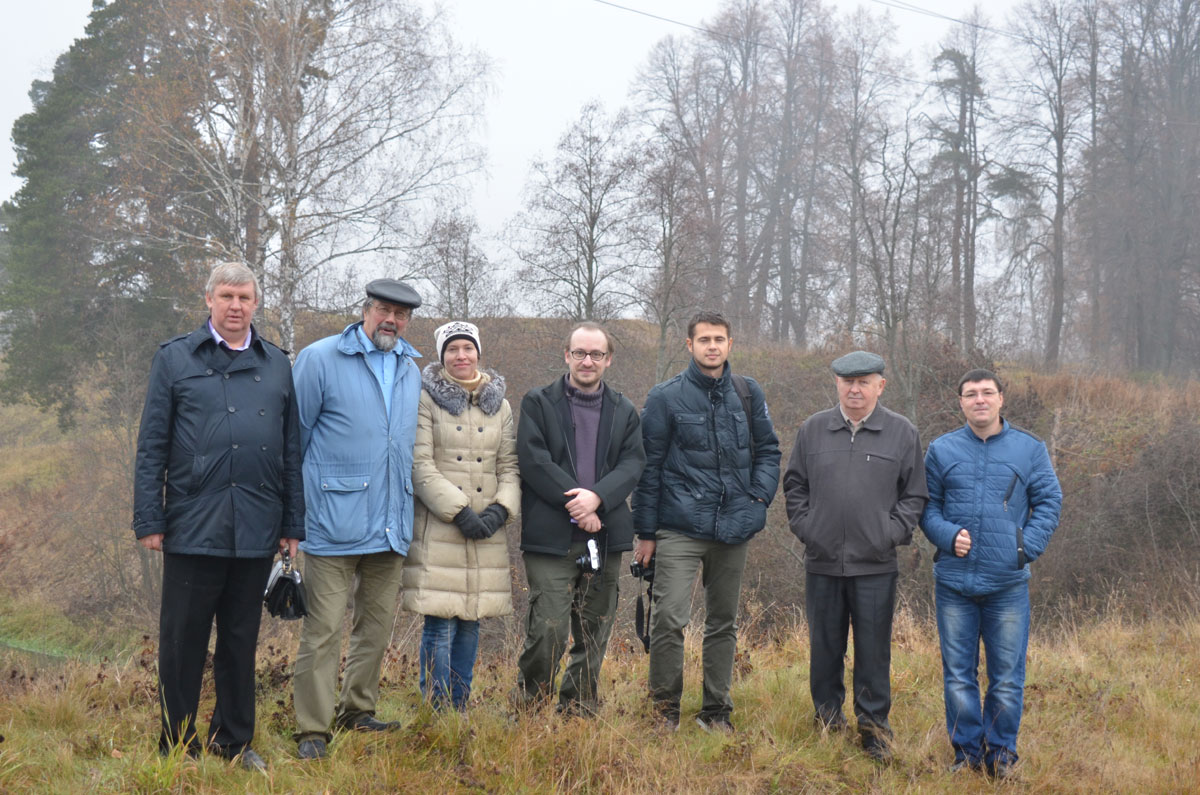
(465, 478)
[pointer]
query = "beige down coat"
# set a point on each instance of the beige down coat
(465, 454)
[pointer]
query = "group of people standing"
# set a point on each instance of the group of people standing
(398, 482)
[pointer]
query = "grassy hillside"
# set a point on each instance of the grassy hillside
(1110, 708)
(1112, 699)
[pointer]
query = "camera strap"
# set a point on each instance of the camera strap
(642, 615)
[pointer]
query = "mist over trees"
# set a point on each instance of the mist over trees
(1025, 190)
(1029, 192)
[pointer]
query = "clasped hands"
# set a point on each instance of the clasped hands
(583, 506)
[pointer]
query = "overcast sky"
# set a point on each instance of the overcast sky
(550, 57)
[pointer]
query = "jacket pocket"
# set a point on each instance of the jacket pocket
(343, 511)
(199, 463)
(741, 428)
(692, 431)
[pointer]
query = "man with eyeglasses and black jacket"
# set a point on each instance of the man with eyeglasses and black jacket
(579, 447)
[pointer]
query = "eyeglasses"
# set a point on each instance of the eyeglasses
(987, 394)
(595, 356)
(398, 312)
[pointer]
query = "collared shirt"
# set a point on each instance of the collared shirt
(221, 340)
(383, 364)
(855, 427)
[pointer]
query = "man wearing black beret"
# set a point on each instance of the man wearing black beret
(855, 489)
(358, 393)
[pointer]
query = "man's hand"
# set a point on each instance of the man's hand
(583, 502)
(643, 550)
(589, 523)
(289, 545)
(962, 543)
(152, 542)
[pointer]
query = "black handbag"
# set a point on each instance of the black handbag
(285, 597)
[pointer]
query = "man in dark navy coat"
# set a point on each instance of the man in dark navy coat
(217, 490)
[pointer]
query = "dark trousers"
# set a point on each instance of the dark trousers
(833, 605)
(195, 590)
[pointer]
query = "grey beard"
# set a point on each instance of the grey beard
(384, 342)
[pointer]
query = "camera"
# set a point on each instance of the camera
(642, 572)
(589, 562)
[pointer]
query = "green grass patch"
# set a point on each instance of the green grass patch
(42, 630)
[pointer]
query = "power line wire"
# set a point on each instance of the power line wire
(899, 5)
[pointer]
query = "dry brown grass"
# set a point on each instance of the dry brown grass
(1110, 707)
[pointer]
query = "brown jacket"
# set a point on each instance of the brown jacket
(465, 454)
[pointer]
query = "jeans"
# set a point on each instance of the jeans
(677, 560)
(1001, 621)
(447, 660)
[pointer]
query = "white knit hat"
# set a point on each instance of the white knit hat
(456, 330)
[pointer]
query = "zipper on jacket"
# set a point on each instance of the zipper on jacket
(1012, 484)
(712, 405)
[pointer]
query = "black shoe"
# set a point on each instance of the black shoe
(834, 725)
(577, 709)
(877, 746)
(313, 748)
(716, 724)
(369, 723)
(964, 764)
(250, 760)
(1002, 767)
(666, 715)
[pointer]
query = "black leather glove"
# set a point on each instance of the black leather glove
(470, 525)
(493, 517)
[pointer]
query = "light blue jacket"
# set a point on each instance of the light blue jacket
(358, 457)
(1004, 492)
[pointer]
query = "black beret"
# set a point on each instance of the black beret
(394, 292)
(858, 363)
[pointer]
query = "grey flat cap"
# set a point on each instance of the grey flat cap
(858, 363)
(394, 292)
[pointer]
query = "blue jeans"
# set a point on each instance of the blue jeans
(447, 660)
(1001, 621)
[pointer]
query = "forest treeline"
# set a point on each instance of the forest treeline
(1026, 190)
(1127, 454)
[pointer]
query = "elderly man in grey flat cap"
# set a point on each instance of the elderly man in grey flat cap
(855, 489)
(358, 393)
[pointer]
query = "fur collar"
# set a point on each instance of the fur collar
(453, 398)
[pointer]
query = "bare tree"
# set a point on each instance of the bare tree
(1053, 41)
(465, 284)
(670, 278)
(572, 237)
(316, 126)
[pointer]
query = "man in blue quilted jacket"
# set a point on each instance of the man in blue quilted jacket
(994, 502)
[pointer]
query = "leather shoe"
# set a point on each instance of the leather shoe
(250, 760)
(313, 748)
(964, 764)
(1002, 767)
(877, 747)
(369, 723)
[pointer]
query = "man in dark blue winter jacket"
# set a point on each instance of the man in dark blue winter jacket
(712, 467)
(217, 490)
(994, 501)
